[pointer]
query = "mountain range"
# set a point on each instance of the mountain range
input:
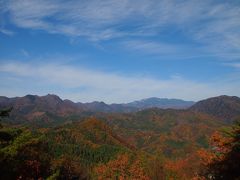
(52, 108)
(55, 102)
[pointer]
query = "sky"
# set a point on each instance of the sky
(119, 51)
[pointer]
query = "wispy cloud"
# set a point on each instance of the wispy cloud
(81, 84)
(235, 65)
(24, 53)
(215, 25)
(6, 32)
(177, 50)
(152, 47)
(163, 50)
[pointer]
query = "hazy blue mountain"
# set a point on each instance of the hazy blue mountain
(163, 103)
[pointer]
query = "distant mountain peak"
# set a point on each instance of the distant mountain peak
(52, 96)
(161, 103)
(31, 97)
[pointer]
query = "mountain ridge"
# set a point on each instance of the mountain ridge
(104, 107)
(51, 107)
(226, 108)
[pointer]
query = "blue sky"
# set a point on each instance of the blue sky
(120, 51)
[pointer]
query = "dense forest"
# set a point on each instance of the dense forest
(148, 144)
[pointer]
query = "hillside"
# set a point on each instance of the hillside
(80, 150)
(225, 108)
(153, 129)
(42, 109)
(90, 135)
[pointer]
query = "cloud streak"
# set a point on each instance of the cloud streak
(81, 84)
(213, 24)
(235, 65)
(7, 32)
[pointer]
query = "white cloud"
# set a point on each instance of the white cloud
(24, 52)
(151, 47)
(215, 25)
(6, 32)
(163, 50)
(235, 65)
(177, 51)
(81, 84)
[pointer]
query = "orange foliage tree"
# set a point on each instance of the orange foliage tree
(121, 168)
(222, 162)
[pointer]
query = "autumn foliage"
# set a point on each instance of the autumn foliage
(123, 167)
(222, 162)
(152, 144)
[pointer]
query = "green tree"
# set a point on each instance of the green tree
(4, 113)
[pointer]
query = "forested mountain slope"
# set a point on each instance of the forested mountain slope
(226, 108)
